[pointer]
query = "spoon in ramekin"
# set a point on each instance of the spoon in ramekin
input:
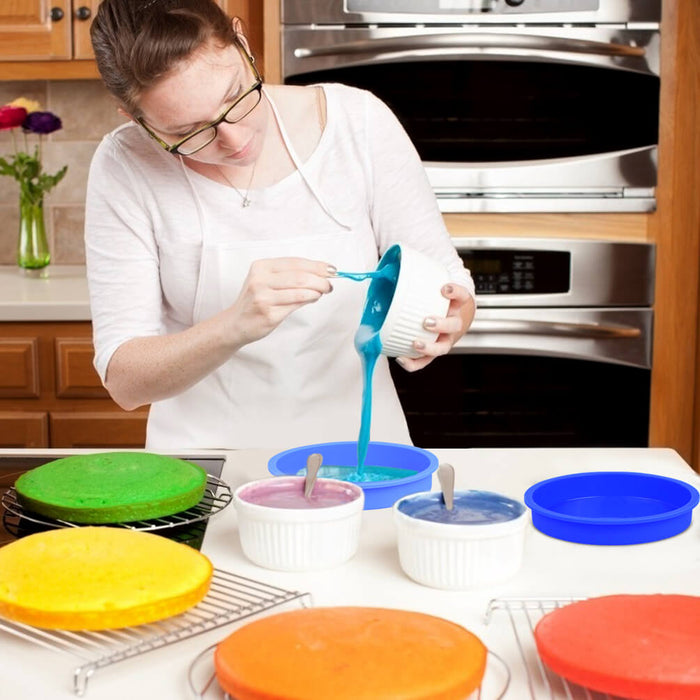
(313, 464)
(446, 477)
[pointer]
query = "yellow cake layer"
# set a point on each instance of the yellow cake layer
(99, 578)
(350, 653)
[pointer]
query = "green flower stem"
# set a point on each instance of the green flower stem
(33, 247)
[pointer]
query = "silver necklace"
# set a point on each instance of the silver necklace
(245, 200)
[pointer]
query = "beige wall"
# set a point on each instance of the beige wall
(87, 112)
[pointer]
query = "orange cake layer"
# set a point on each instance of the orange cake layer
(99, 578)
(639, 646)
(350, 653)
(111, 487)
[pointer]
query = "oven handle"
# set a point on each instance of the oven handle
(553, 328)
(475, 42)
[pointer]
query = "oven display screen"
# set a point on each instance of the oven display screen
(519, 271)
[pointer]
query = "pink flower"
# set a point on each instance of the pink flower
(11, 117)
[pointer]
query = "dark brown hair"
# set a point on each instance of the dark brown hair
(136, 42)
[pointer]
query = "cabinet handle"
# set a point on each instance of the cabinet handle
(83, 13)
(56, 14)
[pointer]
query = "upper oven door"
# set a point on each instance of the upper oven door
(507, 114)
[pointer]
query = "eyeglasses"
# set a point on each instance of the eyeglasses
(203, 136)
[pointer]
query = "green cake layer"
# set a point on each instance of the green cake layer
(111, 487)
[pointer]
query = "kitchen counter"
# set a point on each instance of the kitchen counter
(552, 569)
(57, 293)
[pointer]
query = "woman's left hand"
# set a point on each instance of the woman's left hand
(460, 315)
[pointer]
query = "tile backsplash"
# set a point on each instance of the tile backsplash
(87, 112)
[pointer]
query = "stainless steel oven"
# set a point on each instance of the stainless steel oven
(559, 354)
(513, 105)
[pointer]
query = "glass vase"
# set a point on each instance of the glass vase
(33, 248)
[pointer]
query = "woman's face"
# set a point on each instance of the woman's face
(197, 91)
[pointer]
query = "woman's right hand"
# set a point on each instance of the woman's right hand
(273, 289)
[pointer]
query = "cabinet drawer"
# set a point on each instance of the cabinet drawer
(98, 429)
(19, 429)
(19, 368)
(76, 377)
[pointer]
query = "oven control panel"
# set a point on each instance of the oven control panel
(519, 271)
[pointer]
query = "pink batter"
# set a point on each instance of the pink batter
(289, 493)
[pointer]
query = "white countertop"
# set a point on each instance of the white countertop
(57, 293)
(552, 569)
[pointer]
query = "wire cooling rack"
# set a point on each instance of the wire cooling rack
(523, 614)
(217, 495)
(231, 598)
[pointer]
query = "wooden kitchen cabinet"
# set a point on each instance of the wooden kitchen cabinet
(51, 396)
(50, 39)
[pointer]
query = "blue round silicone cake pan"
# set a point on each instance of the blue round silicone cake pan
(611, 508)
(419, 463)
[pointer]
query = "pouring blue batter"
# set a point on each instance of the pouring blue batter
(367, 341)
(369, 347)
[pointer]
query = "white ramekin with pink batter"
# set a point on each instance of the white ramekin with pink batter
(282, 529)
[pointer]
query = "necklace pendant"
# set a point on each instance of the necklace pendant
(245, 203)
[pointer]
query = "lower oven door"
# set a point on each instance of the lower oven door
(536, 378)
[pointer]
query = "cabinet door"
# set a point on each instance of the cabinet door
(83, 12)
(98, 429)
(20, 429)
(28, 32)
(19, 368)
(76, 377)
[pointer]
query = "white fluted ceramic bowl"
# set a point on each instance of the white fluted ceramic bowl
(399, 306)
(298, 538)
(461, 555)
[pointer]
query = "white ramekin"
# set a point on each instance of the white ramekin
(304, 539)
(459, 556)
(417, 295)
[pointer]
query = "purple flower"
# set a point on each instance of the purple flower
(41, 123)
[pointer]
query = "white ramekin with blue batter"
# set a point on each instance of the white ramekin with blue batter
(479, 541)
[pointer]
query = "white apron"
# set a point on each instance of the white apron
(303, 382)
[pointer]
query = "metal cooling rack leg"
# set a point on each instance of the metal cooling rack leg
(81, 676)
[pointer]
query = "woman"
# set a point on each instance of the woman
(215, 221)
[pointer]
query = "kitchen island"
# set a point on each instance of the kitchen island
(552, 569)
